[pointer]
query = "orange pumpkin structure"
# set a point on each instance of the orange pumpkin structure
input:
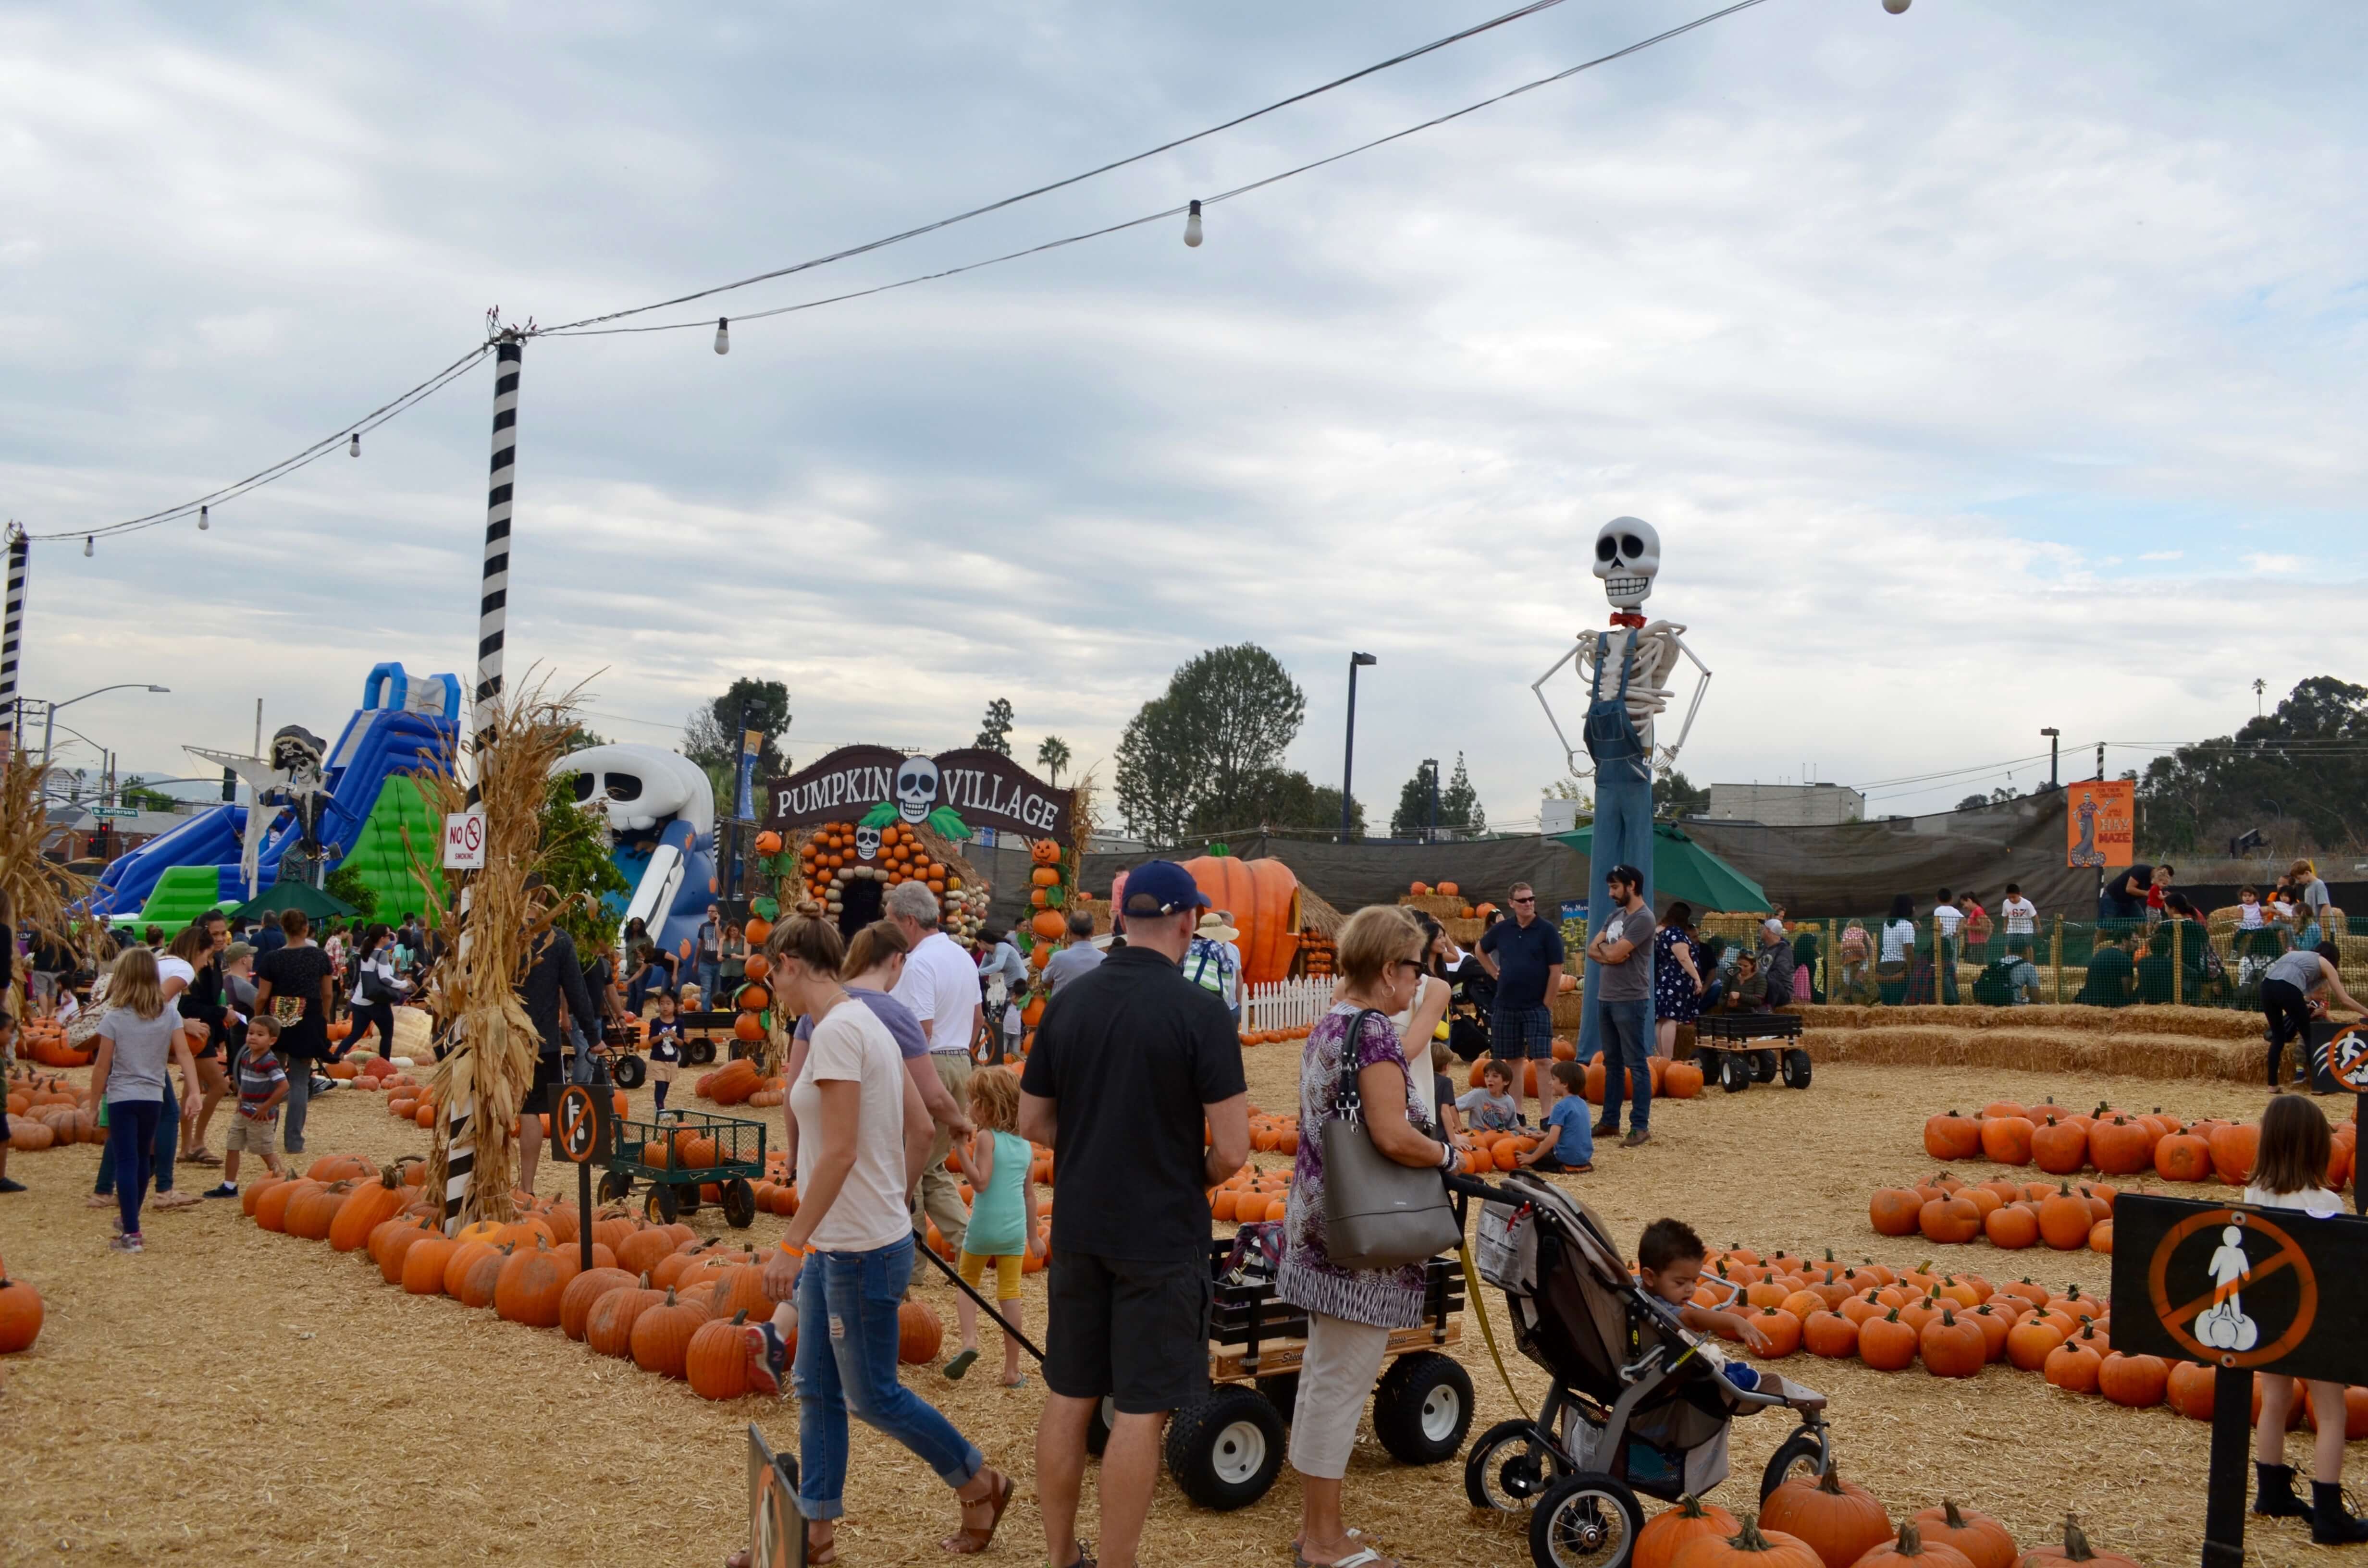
(2074, 1365)
(2006, 1140)
(1838, 1521)
(361, 1213)
(1658, 1543)
(918, 1334)
(2189, 1390)
(1263, 897)
(1894, 1211)
(2075, 1549)
(425, 1265)
(1748, 1546)
(1911, 1549)
(1980, 1540)
(20, 1315)
(717, 1362)
(2138, 1381)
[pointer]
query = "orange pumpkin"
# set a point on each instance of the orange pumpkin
(530, 1284)
(20, 1315)
(608, 1326)
(1263, 896)
(1658, 1543)
(661, 1335)
(716, 1362)
(1910, 1550)
(1982, 1540)
(575, 1303)
(2075, 1549)
(918, 1334)
(1839, 1521)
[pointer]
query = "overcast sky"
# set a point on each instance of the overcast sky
(1986, 368)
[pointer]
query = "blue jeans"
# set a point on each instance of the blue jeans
(164, 1143)
(131, 1138)
(1627, 1042)
(847, 1361)
(707, 974)
(364, 1015)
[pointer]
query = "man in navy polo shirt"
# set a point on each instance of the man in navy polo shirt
(1525, 955)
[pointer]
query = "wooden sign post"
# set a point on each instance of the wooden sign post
(2241, 1290)
(777, 1532)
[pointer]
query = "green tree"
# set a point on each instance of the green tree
(346, 882)
(2305, 763)
(712, 737)
(581, 739)
(995, 728)
(1284, 799)
(1053, 756)
(576, 859)
(1674, 796)
(1459, 803)
(1972, 802)
(140, 798)
(1225, 719)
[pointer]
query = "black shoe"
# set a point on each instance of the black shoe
(1606, 1129)
(230, 1189)
(2332, 1524)
(7, 1186)
(2274, 1496)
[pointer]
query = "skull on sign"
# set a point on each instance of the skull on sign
(917, 789)
(867, 843)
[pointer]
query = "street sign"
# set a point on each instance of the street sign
(2242, 1290)
(464, 840)
(115, 811)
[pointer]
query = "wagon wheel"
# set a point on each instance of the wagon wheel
(629, 1071)
(1734, 1073)
(659, 1207)
(1796, 1069)
(700, 1050)
(616, 1186)
(1763, 1066)
(739, 1203)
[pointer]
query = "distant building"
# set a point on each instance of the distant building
(1558, 815)
(1786, 805)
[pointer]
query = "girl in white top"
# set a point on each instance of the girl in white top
(1419, 1023)
(1898, 932)
(847, 1101)
(2290, 1172)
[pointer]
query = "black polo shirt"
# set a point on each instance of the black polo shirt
(1129, 1051)
(1523, 954)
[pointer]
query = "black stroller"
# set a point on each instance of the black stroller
(1639, 1402)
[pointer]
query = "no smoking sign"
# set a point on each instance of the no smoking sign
(464, 840)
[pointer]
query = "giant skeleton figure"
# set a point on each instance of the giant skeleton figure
(1633, 660)
(291, 776)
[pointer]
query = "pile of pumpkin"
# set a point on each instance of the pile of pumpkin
(20, 1313)
(2117, 1142)
(1956, 1324)
(44, 1040)
(1828, 1522)
(672, 1303)
(1449, 890)
(739, 1082)
(46, 1112)
(1274, 1037)
(827, 861)
(1673, 1079)
(1251, 1194)
(2010, 1214)
(1319, 959)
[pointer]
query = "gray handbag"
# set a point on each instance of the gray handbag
(1377, 1213)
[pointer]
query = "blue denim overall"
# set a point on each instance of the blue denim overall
(1622, 833)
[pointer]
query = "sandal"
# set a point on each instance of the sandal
(967, 1541)
(1363, 1557)
(1299, 1558)
(826, 1554)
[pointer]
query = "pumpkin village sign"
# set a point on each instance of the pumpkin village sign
(952, 794)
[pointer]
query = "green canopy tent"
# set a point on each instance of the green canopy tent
(1684, 870)
(316, 904)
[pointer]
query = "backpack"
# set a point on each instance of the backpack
(1994, 986)
(1853, 944)
(1204, 965)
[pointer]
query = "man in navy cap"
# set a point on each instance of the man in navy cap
(1130, 1058)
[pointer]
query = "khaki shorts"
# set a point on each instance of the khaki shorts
(247, 1136)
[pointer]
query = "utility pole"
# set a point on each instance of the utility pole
(1430, 779)
(1348, 762)
(2055, 741)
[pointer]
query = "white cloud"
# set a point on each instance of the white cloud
(2161, 554)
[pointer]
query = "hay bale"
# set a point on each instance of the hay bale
(2201, 1023)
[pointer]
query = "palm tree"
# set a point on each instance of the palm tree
(1053, 756)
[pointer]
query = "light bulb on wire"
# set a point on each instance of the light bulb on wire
(354, 447)
(203, 524)
(1192, 224)
(1897, 7)
(723, 334)
(88, 548)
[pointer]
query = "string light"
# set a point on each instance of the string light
(354, 447)
(1192, 225)
(723, 334)
(88, 548)
(204, 521)
(1897, 7)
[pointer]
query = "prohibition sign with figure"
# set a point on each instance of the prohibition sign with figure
(2216, 1325)
(578, 1124)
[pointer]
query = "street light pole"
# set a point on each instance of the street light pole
(1348, 760)
(1431, 782)
(2055, 741)
(49, 709)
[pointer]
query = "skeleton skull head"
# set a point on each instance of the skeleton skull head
(917, 789)
(641, 786)
(867, 843)
(1627, 558)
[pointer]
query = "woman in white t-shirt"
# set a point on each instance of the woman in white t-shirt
(848, 1102)
(2289, 1168)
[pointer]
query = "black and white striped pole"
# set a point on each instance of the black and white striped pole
(493, 615)
(12, 632)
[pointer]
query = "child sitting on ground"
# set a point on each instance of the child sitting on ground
(1002, 1214)
(1569, 1142)
(1669, 1265)
(1442, 1088)
(665, 1050)
(262, 1085)
(1491, 1108)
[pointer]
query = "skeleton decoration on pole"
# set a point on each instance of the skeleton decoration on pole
(1626, 669)
(289, 776)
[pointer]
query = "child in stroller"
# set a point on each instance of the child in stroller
(1640, 1401)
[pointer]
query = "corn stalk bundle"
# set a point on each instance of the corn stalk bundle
(488, 926)
(39, 892)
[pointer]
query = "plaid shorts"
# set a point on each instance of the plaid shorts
(1517, 1032)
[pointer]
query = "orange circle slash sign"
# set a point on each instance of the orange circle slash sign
(2175, 1320)
(578, 1123)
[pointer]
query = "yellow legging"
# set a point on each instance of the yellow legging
(1007, 1272)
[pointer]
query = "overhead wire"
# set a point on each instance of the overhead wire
(584, 328)
(1517, 14)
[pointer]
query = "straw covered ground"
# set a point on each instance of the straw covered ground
(236, 1395)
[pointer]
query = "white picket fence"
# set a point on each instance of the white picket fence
(1285, 1003)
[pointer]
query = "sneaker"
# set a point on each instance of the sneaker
(127, 1243)
(1636, 1137)
(7, 1186)
(227, 1189)
(769, 1358)
(1606, 1129)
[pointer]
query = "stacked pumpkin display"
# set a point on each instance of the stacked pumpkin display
(45, 1112)
(2064, 1142)
(1051, 886)
(828, 861)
